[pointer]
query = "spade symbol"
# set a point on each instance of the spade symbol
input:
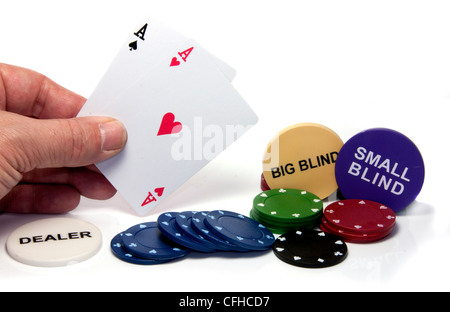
(133, 45)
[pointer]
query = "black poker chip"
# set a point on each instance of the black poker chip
(310, 249)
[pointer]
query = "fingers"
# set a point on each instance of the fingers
(76, 142)
(89, 183)
(32, 143)
(56, 190)
(40, 198)
(29, 93)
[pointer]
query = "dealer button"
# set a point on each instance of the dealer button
(54, 242)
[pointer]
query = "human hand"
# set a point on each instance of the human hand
(46, 153)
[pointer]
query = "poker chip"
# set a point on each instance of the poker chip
(263, 184)
(183, 222)
(198, 224)
(122, 254)
(282, 210)
(167, 225)
(239, 230)
(360, 216)
(358, 220)
(349, 237)
(381, 165)
(303, 157)
(310, 249)
(145, 241)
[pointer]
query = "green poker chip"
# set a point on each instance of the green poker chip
(282, 210)
(282, 228)
(288, 205)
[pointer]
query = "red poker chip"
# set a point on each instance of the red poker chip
(350, 237)
(357, 217)
(264, 185)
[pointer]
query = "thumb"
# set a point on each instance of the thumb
(71, 142)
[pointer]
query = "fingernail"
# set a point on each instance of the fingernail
(113, 135)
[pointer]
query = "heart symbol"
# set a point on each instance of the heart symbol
(169, 125)
(159, 191)
(133, 45)
(174, 62)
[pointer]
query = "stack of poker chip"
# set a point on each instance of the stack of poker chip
(358, 221)
(175, 234)
(283, 210)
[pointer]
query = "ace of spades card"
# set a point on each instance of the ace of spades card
(165, 95)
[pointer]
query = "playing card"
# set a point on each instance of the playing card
(144, 49)
(147, 42)
(179, 116)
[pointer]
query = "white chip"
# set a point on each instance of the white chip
(54, 242)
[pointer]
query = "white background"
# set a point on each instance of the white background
(349, 65)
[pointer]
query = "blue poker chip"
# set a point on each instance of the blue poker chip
(122, 254)
(168, 227)
(198, 224)
(239, 230)
(146, 241)
(184, 224)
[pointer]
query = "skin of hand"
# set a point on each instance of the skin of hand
(46, 152)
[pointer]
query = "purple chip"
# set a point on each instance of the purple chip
(381, 165)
